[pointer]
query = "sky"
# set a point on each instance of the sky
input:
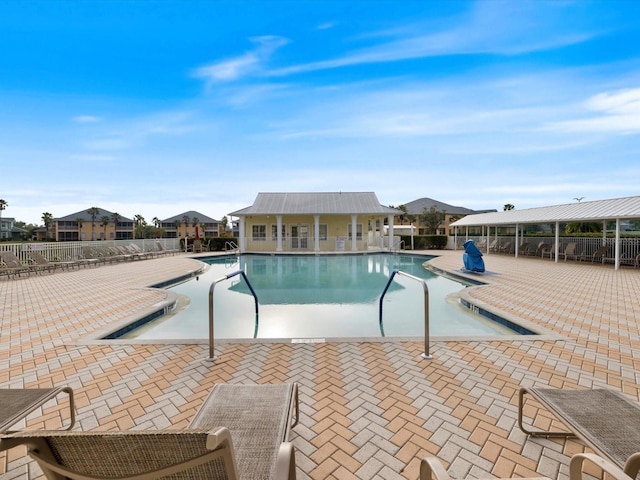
(155, 108)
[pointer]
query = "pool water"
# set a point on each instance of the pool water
(317, 296)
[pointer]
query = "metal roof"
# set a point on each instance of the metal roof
(612, 209)
(318, 203)
(416, 207)
(85, 216)
(191, 214)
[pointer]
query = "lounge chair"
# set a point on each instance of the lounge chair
(142, 254)
(598, 255)
(160, 248)
(88, 257)
(494, 245)
(17, 403)
(431, 468)
(39, 259)
(145, 455)
(104, 255)
(15, 266)
(541, 248)
(548, 250)
(241, 431)
(505, 247)
(523, 249)
(605, 420)
(569, 251)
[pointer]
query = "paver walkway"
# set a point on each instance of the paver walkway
(368, 410)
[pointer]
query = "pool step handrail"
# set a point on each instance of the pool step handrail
(426, 354)
(231, 245)
(211, 289)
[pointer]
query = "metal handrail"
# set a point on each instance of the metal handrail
(426, 353)
(211, 288)
(229, 245)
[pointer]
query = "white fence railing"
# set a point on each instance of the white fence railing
(585, 246)
(59, 251)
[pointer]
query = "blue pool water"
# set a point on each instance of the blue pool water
(317, 296)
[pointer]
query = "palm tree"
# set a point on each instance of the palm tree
(3, 205)
(104, 221)
(156, 222)
(185, 220)
(403, 216)
(115, 216)
(139, 222)
(94, 212)
(80, 223)
(508, 206)
(47, 218)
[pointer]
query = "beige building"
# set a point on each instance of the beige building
(184, 225)
(315, 222)
(101, 225)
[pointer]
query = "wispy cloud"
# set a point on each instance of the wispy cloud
(92, 158)
(617, 112)
(136, 131)
(326, 25)
(250, 62)
(86, 119)
(509, 30)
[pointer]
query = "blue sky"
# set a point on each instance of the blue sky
(159, 107)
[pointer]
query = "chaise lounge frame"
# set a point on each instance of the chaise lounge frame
(240, 432)
(605, 420)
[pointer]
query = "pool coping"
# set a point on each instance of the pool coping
(488, 311)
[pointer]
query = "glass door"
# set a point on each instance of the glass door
(299, 237)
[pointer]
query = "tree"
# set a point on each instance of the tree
(47, 218)
(185, 220)
(104, 221)
(225, 222)
(404, 210)
(431, 219)
(115, 216)
(94, 212)
(80, 223)
(3, 205)
(508, 206)
(583, 227)
(156, 222)
(139, 223)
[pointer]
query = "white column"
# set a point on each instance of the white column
(243, 240)
(557, 242)
(617, 245)
(279, 233)
(516, 246)
(390, 221)
(316, 233)
(354, 231)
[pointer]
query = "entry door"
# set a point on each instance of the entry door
(300, 237)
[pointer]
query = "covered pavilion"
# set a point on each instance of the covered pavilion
(615, 209)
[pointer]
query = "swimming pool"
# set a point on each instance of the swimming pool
(317, 296)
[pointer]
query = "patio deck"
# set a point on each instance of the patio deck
(368, 410)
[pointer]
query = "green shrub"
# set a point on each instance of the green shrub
(425, 242)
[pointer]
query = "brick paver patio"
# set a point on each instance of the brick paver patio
(368, 410)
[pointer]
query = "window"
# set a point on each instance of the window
(323, 231)
(259, 232)
(274, 232)
(358, 231)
